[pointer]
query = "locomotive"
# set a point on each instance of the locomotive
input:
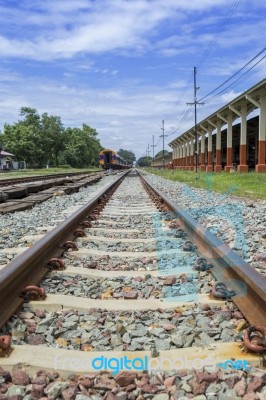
(109, 159)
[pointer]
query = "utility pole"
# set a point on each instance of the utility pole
(153, 145)
(163, 136)
(1, 148)
(195, 103)
(148, 155)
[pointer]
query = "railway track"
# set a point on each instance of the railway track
(38, 178)
(131, 283)
(19, 197)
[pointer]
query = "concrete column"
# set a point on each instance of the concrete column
(261, 166)
(242, 167)
(209, 167)
(182, 157)
(229, 150)
(187, 156)
(177, 156)
(218, 166)
(202, 152)
(191, 155)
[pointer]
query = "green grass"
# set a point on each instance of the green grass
(250, 185)
(45, 171)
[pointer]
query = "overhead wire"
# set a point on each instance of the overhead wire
(181, 122)
(236, 73)
(247, 74)
(231, 85)
(220, 30)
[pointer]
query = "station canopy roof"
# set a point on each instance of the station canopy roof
(250, 98)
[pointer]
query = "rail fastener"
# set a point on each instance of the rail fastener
(56, 263)
(255, 338)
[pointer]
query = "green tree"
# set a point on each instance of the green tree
(40, 140)
(53, 137)
(160, 153)
(144, 161)
(25, 138)
(127, 155)
(82, 147)
(18, 140)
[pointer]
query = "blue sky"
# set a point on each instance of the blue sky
(124, 66)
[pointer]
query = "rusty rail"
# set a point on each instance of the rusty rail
(31, 266)
(249, 285)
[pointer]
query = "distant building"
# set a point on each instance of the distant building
(6, 161)
(158, 162)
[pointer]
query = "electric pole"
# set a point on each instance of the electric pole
(195, 103)
(163, 142)
(148, 150)
(153, 145)
(163, 136)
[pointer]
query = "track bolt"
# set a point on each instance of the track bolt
(220, 291)
(33, 293)
(5, 342)
(79, 233)
(188, 246)
(174, 225)
(202, 265)
(86, 224)
(179, 233)
(255, 338)
(70, 245)
(55, 263)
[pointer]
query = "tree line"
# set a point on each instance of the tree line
(146, 161)
(42, 139)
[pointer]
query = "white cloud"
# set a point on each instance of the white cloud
(64, 29)
(121, 66)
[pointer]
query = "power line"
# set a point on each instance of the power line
(233, 83)
(236, 73)
(181, 122)
(220, 30)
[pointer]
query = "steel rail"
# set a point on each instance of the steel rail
(30, 267)
(229, 267)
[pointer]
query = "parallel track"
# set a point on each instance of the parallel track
(15, 181)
